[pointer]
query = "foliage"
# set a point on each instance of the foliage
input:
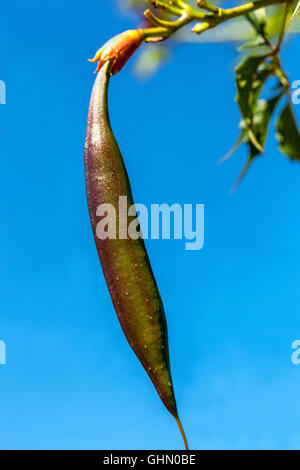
(261, 82)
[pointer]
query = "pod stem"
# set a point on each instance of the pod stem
(182, 432)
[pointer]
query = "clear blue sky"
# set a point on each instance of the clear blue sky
(71, 380)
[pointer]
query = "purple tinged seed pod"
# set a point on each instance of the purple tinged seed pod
(125, 262)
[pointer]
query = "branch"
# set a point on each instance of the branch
(187, 14)
(231, 13)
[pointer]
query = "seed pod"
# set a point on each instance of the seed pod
(125, 262)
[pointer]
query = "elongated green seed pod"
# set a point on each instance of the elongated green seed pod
(125, 262)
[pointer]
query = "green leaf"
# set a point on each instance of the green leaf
(253, 43)
(288, 133)
(296, 11)
(242, 173)
(251, 75)
(264, 72)
(245, 76)
(241, 139)
(263, 113)
(259, 21)
(256, 139)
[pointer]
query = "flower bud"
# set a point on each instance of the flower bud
(118, 50)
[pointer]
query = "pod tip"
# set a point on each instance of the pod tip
(182, 432)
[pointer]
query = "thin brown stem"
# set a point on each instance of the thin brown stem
(284, 24)
(182, 432)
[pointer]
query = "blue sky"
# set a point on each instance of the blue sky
(71, 380)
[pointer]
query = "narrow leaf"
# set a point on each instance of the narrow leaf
(234, 148)
(263, 113)
(288, 134)
(296, 11)
(245, 73)
(264, 110)
(242, 174)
